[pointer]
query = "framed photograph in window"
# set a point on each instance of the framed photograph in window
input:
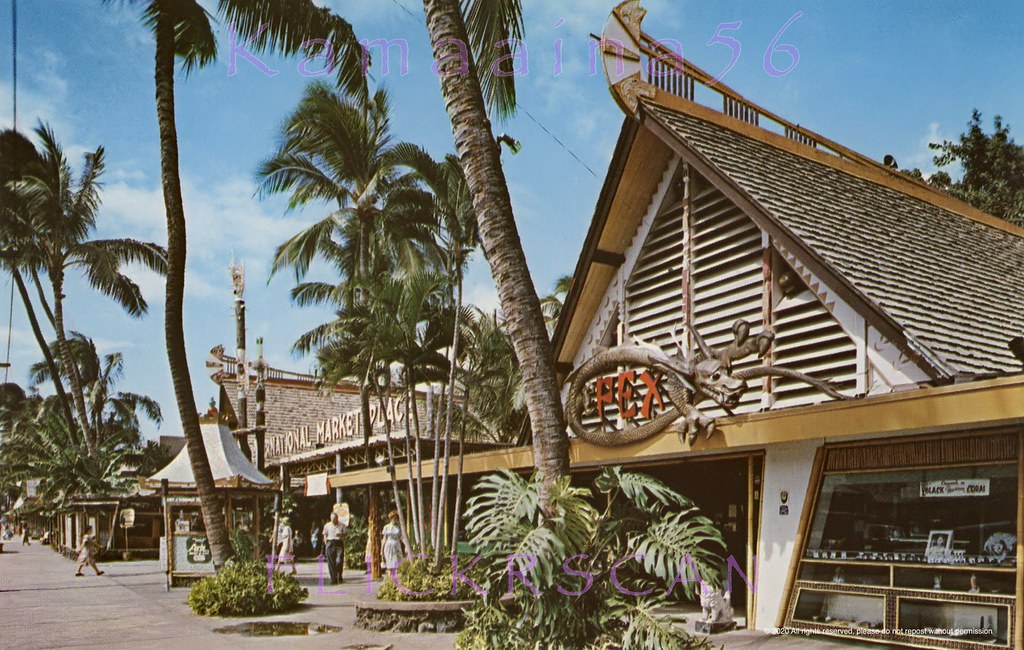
(940, 543)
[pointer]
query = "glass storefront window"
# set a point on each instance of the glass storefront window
(961, 516)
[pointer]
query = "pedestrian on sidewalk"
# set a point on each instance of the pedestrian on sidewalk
(286, 552)
(314, 539)
(392, 538)
(334, 533)
(24, 536)
(87, 553)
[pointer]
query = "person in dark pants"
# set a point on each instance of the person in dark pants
(334, 532)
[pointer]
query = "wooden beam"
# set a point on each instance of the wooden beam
(928, 410)
(608, 258)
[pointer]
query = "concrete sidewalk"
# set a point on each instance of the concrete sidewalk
(42, 605)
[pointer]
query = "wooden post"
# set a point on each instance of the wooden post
(337, 470)
(168, 532)
(372, 531)
(751, 542)
(1018, 629)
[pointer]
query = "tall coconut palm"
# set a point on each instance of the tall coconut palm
(468, 82)
(337, 148)
(63, 215)
(16, 239)
(182, 30)
(113, 414)
(39, 444)
(457, 238)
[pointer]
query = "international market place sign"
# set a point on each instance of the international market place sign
(964, 487)
(334, 429)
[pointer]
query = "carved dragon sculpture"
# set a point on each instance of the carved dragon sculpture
(689, 378)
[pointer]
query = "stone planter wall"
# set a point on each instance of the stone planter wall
(419, 616)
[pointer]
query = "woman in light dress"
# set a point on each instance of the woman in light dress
(86, 553)
(286, 551)
(392, 538)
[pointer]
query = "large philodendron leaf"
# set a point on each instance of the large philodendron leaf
(645, 492)
(683, 546)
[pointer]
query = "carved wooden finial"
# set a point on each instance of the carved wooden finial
(622, 57)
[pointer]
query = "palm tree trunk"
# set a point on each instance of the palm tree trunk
(413, 521)
(433, 432)
(174, 333)
(503, 249)
(462, 462)
(51, 365)
(373, 541)
(70, 367)
(42, 297)
(394, 479)
(419, 463)
(449, 406)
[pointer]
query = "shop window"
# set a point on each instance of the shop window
(963, 516)
(923, 555)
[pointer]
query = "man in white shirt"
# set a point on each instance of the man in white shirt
(334, 532)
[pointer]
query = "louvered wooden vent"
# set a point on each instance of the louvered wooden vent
(726, 281)
(654, 295)
(810, 340)
(727, 277)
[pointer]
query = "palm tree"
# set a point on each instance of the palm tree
(467, 84)
(182, 29)
(63, 215)
(112, 414)
(39, 444)
(338, 148)
(16, 237)
(491, 394)
(457, 239)
(552, 303)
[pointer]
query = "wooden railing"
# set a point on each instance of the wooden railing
(669, 72)
(230, 365)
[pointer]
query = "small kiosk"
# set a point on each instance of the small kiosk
(185, 549)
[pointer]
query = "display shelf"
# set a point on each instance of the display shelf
(839, 609)
(840, 573)
(985, 623)
(959, 567)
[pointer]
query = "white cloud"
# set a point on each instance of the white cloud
(922, 156)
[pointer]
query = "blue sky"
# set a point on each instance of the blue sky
(878, 77)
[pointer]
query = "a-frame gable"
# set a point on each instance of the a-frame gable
(698, 258)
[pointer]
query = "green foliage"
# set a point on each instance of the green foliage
(422, 575)
(241, 589)
(642, 516)
(242, 544)
(354, 542)
(993, 169)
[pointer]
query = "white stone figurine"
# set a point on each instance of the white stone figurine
(716, 605)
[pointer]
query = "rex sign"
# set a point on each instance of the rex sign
(634, 394)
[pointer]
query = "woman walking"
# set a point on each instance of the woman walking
(286, 553)
(392, 538)
(87, 553)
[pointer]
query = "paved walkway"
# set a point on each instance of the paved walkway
(42, 605)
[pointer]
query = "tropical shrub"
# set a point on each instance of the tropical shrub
(598, 577)
(354, 542)
(241, 589)
(432, 581)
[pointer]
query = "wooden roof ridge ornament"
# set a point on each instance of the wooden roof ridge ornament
(689, 378)
(621, 56)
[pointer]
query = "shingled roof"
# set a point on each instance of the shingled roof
(953, 283)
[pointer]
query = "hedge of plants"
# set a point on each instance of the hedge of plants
(241, 589)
